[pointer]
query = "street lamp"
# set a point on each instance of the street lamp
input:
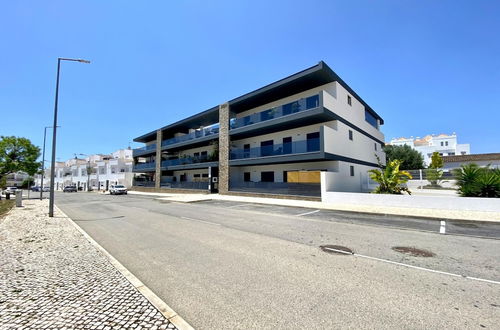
(43, 159)
(88, 170)
(53, 162)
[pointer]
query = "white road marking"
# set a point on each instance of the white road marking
(442, 228)
(299, 215)
(207, 222)
(414, 267)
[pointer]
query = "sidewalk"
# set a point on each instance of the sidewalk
(52, 277)
(418, 212)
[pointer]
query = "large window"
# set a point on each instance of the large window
(371, 119)
(266, 148)
(267, 176)
(246, 176)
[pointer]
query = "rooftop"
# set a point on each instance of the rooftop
(317, 75)
(472, 157)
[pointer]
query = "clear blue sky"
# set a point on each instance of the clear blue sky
(425, 66)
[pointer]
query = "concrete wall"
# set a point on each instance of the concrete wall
(341, 180)
(412, 201)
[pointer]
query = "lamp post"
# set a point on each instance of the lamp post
(53, 162)
(43, 160)
(88, 171)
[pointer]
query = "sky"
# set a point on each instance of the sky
(425, 66)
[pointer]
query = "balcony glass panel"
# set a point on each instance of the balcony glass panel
(277, 112)
(146, 148)
(297, 147)
(186, 161)
(213, 130)
(143, 166)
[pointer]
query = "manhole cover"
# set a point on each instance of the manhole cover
(414, 252)
(465, 225)
(336, 249)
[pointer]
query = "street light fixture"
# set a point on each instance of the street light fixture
(54, 132)
(43, 160)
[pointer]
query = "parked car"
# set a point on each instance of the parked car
(118, 189)
(35, 188)
(10, 190)
(46, 189)
(69, 189)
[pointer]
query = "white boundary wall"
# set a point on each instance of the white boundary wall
(405, 201)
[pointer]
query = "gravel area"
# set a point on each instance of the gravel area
(51, 277)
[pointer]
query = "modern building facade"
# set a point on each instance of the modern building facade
(106, 170)
(276, 140)
(446, 145)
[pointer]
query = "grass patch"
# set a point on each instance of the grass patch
(5, 206)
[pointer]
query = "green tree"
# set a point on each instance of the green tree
(475, 181)
(434, 173)
(390, 178)
(410, 159)
(18, 154)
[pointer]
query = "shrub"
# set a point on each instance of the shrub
(475, 181)
(390, 178)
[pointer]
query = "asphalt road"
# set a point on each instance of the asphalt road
(234, 265)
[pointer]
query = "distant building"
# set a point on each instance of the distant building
(446, 145)
(16, 179)
(492, 159)
(107, 170)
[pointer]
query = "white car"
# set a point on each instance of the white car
(118, 189)
(10, 190)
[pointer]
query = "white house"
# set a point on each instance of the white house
(107, 170)
(446, 145)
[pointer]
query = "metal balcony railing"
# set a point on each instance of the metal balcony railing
(146, 148)
(186, 161)
(144, 166)
(297, 147)
(277, 112)
(213, 130)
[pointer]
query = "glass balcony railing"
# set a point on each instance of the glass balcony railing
(213, 130)
(277, 112)
(186, 161)
(144, 166)
(146, 148)
(297, 147)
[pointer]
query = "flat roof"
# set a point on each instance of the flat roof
(317, 75)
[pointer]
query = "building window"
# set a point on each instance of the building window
(350, 135)
(246, 176)
(442, 143)
(266, 148)
(267, 176)
(349, 100)
(451, 154)
(370, 119)
(351, 168)
(204, 175)
(462, 152)
(375, 144)
(446, 143)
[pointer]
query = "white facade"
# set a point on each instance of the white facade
(107, 170)
(446, 145)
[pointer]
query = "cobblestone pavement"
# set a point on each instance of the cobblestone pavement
(51, 277)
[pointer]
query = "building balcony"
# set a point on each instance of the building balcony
(144, 150)
(302, 112)
(197, 137)
(188, 163)
(144, 167)
(298, 151)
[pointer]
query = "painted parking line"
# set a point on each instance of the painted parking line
(442, 228)
(413, 267)
(197, 220)
(302, 214)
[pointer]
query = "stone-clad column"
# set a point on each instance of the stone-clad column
(224, 148)
(158, 159)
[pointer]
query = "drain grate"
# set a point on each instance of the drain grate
(414, 252)
(336, 249)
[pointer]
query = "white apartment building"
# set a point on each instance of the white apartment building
(107, 170)
(446, 145)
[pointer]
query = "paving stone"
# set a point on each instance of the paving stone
(51, 277)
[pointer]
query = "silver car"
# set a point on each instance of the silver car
(118, 189)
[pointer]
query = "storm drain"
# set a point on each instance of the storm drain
(414, 252)
(336, 249)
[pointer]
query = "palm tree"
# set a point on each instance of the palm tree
(390, 178)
